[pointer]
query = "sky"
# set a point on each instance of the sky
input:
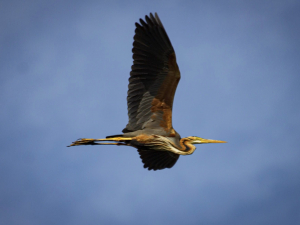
(64, 69)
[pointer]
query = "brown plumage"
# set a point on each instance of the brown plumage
(153, 81)
(153, 78)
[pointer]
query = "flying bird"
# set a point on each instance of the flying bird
(153, 80)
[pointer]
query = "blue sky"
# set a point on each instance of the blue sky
(64, 69)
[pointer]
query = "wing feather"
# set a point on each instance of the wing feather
(157, 160)
(153, 78)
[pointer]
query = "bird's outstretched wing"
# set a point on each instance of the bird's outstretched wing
(153, 78)
(157, 160)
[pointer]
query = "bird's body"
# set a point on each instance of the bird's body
(152, 84)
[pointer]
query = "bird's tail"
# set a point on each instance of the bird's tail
(116, 135)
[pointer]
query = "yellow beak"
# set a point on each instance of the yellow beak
(205, 141)
(199, 140)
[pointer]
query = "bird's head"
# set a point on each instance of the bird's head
(199, 140)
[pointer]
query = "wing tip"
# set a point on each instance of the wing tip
(157, 160)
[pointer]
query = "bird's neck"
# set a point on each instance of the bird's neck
(186, 147)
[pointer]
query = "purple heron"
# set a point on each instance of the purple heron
(152, 84)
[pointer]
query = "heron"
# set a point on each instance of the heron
(153, 81)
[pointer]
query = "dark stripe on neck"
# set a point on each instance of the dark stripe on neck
(187, 148)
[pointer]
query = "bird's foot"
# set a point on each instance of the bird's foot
(89, 141)
(83, 141)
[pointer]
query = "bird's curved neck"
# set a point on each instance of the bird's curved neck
(186, 147)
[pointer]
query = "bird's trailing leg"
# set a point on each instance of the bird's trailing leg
(89, 141)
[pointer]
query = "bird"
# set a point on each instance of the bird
(153, 81)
